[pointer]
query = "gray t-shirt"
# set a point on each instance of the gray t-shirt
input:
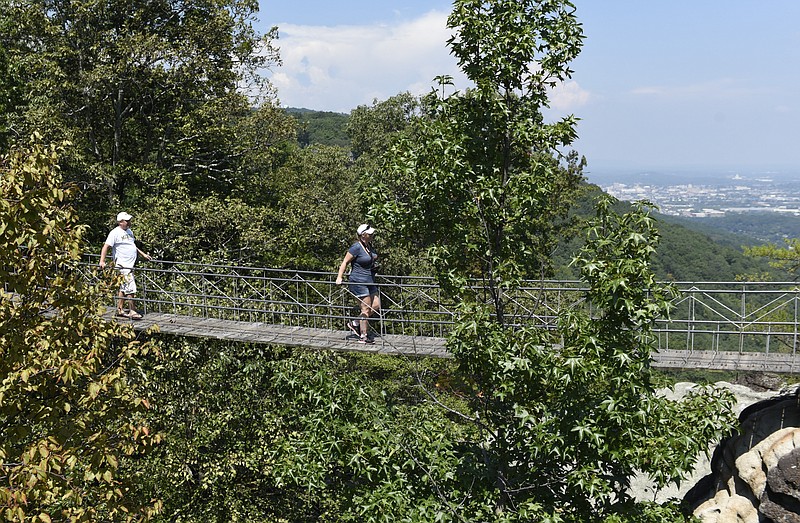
(362, 264)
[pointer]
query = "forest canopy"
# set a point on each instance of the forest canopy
(158, 109)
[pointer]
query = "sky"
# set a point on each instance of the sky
(659, 86)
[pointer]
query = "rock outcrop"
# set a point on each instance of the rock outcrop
(755, 474)
(642, 488)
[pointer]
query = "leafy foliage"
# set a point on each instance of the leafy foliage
(256, 433)
(67, 413)
(478, 180)
(785, 258)
(148, 91)
(565, 430)
(320, 127)
(216, 406)
(373, 130)
(304, 220)
(315, 209)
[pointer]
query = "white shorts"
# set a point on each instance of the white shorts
(128, 282)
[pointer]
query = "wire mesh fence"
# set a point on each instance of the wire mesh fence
(745, 317)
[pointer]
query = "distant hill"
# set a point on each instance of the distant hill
(689, 250)
(745, 228)
(320, 127)
(686, 254)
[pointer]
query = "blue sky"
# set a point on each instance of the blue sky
(660, 85)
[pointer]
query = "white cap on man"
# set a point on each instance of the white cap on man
(123, 216)
(365, 229)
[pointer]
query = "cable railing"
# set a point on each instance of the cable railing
(744, 317)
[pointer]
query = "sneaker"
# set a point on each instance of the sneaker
(354, 327)
(365, 340)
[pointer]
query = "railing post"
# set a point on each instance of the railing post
(690, 326)
(742, 316)
(794, 337)
(769, 334)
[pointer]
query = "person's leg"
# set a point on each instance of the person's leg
(120, 302)
(366, 307)
(376, 305)
(370, 306)
(357, 324)
(354, 326)
(131, 307)
(129, 288)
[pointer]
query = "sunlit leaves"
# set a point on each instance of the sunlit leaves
(66, 410)
(786, 257)
(149, 92)
(478, 178)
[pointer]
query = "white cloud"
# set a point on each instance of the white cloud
(568, 96)
(715, 89)
(339, 68)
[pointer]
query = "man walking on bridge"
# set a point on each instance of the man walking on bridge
(122, 242)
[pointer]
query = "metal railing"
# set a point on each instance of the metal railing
(717, 316)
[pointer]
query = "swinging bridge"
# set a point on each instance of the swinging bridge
(738, 326)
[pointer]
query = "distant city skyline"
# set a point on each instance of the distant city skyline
(713, 198)
(679, 85)
(687, 176)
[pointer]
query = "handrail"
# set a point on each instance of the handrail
(717, 316)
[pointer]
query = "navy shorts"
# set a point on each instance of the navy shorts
(362, 290)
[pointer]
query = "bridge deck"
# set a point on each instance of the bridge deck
(392, 344)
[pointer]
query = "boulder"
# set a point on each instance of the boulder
(755, 473)
(642, 487)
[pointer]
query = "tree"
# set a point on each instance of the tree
(320, 127)
(479, 177)
(149, 92)
(561, 419)
(11, 89)
(67, 413)
(785, 258)
(307, 211)
(315, 209)
(216, 405)
(373, 129)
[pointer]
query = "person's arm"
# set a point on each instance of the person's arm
(103, 253)
(144, 254)
(347, 259)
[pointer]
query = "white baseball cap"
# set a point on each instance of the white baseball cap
(365, 229)
(123, 216)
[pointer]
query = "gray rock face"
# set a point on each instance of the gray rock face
(755, 474)
(641, 486)
(780, 500)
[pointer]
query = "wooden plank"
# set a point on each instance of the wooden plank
(727, 360)
(422, 346)
(284, 335)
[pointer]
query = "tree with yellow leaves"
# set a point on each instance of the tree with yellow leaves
(68, 414)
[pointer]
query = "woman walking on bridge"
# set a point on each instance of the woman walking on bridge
(362, 258)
